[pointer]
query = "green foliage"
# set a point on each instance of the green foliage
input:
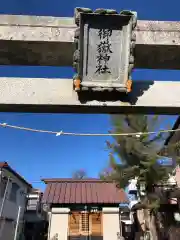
(138, 154)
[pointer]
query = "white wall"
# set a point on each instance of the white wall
(58, 224)
(110, 223)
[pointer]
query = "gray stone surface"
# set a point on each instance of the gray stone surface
(57, 95)
(34, 40)
(106, 51)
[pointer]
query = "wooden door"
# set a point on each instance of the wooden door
(96, 224)
(85, 224)
(74, 219)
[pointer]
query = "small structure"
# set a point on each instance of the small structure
(35, 218)
(13, 191)
(79, 209)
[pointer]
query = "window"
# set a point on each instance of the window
(13, 193)
(3, 187)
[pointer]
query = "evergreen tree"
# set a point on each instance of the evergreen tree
(137, 156)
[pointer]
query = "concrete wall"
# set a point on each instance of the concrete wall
(111, 227)
(10, 209)
(58, 224)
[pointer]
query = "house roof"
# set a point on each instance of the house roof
(84, 191)
(174, 136)
(5, 165)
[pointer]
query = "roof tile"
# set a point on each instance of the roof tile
(69, 191)
(5, 165)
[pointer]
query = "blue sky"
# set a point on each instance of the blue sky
(36, 155)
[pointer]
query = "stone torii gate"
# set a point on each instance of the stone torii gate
(48, 41)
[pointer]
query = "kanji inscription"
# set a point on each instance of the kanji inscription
(104, 50)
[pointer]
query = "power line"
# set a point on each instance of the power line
(59, 133)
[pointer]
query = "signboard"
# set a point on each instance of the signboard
(105, 52)
(165, 161)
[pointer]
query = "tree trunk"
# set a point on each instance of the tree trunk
(147, 223)
(152, 227)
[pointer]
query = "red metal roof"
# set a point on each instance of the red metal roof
(92, 191)
(6, 166)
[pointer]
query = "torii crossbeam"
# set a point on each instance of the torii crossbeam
(48, 41)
